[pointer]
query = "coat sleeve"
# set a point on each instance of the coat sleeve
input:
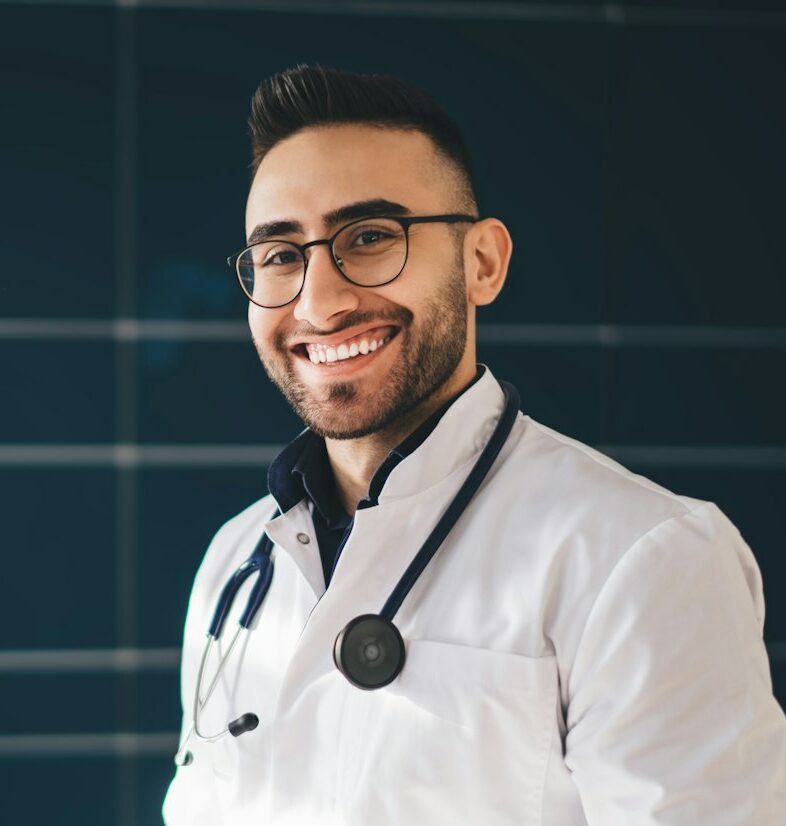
(671, 718)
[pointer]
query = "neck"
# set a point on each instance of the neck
(355, 461)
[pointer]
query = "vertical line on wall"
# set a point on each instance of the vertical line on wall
(612, 228)
(125, 395)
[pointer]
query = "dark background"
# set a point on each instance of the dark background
(635, 151)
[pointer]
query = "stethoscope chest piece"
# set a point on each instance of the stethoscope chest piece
(369, 651)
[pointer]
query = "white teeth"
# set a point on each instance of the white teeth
(319, 354)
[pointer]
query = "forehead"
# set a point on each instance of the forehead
(319, 169)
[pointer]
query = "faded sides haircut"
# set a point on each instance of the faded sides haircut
(307, 96)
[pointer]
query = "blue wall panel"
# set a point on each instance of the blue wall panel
(57, 391)
(718, 396)
(158, 701)
(57, 703)
(59, 567)
(561, 387)
(59, 790)
(57, 162)
(697, 171)
(209, 392)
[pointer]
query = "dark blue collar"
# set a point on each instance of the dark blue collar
(302, 469)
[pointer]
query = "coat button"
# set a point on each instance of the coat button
(303, 538)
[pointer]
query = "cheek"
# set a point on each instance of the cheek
(265, 326)
(410, 291)
(256, 319)
(255, 324)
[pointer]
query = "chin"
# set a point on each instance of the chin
(336, 421)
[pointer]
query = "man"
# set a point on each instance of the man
(585, 647)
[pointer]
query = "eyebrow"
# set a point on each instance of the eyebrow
(343, 214)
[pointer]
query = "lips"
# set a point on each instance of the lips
(347, 337)
(352, 349)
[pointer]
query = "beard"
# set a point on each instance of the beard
(430, 350)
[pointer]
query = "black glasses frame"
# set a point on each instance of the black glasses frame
(405, 222)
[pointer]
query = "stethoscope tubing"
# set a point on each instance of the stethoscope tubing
(199, 702)
(457, 506)
(260, 561)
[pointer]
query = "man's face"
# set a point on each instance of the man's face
(421, 317)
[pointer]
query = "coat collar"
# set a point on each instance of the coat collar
(460, 435)
(302, 468)
(458, 438)
(440, 445)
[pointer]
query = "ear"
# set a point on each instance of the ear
(487, 250)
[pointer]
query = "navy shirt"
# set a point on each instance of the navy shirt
(302, 469)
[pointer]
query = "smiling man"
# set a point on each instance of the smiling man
(363, 367)
(564, 642)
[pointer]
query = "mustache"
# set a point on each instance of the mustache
(397, 315)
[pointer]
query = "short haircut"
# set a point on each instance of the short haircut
(307, 96)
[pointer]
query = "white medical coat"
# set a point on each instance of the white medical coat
(585, 648)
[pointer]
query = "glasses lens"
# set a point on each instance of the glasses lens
(271, 273)
(372, 251)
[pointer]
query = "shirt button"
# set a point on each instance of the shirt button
(303, 538)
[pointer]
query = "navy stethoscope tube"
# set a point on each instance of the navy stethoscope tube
(369, 651)
(260, 561)
(459, 503)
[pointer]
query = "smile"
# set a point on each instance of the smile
(357, 347)
(319, 353)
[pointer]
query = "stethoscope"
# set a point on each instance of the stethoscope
(369, 651)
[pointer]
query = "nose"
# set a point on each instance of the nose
(326, 294)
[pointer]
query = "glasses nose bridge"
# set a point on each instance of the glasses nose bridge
(326, 242)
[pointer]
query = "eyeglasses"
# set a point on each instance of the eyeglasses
(368, 252)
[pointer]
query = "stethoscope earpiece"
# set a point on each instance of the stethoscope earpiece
(244, 723)
(369, 651)
(185, 759)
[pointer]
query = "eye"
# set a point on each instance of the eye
(375, 237)
(369, 236)
(289, 257)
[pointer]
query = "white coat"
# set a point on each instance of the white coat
(585, 648)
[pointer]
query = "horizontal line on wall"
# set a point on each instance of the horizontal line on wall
(605, 335)
(50, 455)
(610, 13)
(124, 455)
(738, 456)
(118, 744)
(123, 329)
(615, 335)
(80, 660)
(138, 660)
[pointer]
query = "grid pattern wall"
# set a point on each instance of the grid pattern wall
(635, 152)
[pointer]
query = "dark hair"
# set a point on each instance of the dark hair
(304, 96)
